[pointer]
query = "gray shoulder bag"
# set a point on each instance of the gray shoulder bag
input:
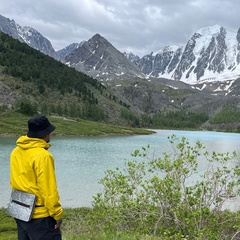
(21, 205)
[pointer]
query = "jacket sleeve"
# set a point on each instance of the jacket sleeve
(46, 181)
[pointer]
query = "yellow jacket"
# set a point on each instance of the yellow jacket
(32, 170)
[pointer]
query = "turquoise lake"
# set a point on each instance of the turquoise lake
(80, 162)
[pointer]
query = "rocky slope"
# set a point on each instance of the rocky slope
(99, 59)
(27, 35)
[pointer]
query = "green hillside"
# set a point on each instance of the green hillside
(36, 83)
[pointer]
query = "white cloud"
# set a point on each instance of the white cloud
(130, 25)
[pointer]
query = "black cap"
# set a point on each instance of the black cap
(39, 126)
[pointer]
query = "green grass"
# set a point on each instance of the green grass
(12, 123)
(8, 227)
(77, 225)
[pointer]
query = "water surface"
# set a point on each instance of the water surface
(80, 162)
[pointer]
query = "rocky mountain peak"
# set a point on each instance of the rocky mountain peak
(209, 30)
(100, 59)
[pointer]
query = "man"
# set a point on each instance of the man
(32, 171)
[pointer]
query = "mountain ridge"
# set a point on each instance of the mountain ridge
(32, 80)
(27, 35)
(211, 54)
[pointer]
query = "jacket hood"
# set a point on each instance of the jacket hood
(26, 142)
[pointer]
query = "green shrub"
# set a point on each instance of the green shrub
(169, 196)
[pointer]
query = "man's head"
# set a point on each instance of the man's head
(39, 127)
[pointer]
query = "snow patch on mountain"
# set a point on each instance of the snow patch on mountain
(171, 48)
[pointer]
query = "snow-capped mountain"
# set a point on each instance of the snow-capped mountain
(28, 35)
(211, 54)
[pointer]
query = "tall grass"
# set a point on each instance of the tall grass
(78, 224)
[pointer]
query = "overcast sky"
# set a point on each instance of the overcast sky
(138, 26)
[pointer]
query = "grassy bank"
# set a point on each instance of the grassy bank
(77, 225)
(16, 124)
(8, 228)
(84, 224)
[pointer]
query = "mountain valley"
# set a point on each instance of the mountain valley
(174, 79)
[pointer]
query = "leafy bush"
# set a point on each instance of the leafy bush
(169, 196)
